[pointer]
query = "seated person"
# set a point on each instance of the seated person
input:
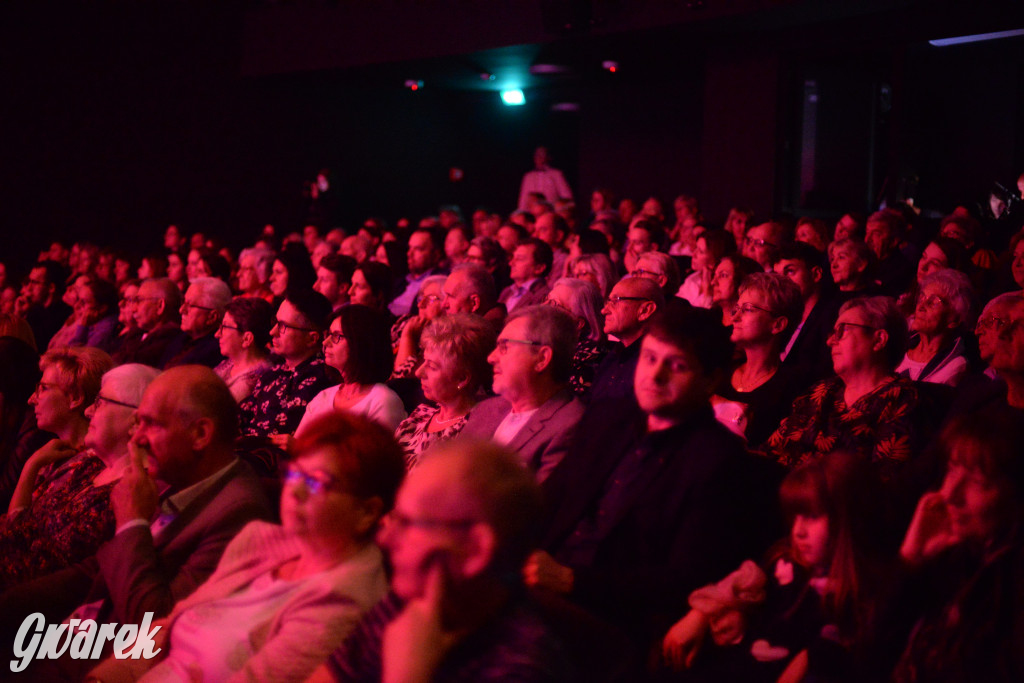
(937, 350)
(768, 309)
(201, 314)
(655, 497)
(408, 328)
(20, 437)
(65, 517)
(963, 555)
(627, 312)
(850, 263)
(867, 408)
(244, 335)
(279, 397)
(356, 345)
(582, 300)
(534, 411)
(725, 288)
(454, 375)
(812, 594)
(463, 523)
(96, 315)
(157, 316)
(284, 596)
(162, 548)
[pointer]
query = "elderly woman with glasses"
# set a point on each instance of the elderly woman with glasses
(63, 519)
(941, 318)
(582, 300)
(405, 333)
(867, 408)
(357, 347)
(454, 375)
(768, 310)
(244, 335)
(284, 596)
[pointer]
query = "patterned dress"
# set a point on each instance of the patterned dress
(879, 424)
(278, 400)
(585, 359)
(65, 523)
(414, 438)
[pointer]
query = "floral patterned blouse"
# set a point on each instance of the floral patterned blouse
(414, 438)
(878, 423)
(65, 523)
(587, 357)
(278, 401)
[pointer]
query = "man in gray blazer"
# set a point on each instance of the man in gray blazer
(535, 412)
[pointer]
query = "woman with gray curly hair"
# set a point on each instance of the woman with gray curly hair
(943, 313)
(454, 374)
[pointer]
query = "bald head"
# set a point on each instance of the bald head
(630, 305)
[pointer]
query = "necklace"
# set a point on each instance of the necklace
(439, 421)
(755, 381)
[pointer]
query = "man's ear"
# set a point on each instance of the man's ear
(370, 511)
(646, 310)
(202, 433)
(544, 360)
(480, 549)
(881, 339)
(475, 298)
(816, 273)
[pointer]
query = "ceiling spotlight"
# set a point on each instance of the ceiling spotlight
(414, 84)
(610, 66)
(484, 76)
(513, 98)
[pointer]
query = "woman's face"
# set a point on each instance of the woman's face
(359, 291)
(145, 270)
(87, 311)
(854, 344)
(1017, 265)
(192, 267)
(723, 286)
(126, 315)
(316, 505)
(988, 329)
(974, 502)
(51, 403)
(431, 301)
(336, 347)
(806, 234)
(846, 268)
(381, 255)
(583, 271)
(702, 258)
(70, 296)
(229, 337)
(810, 540)
(933, 314)
(751, 321)
(278, 279)
(455, 246)
(933, 259)
(597, 202)
(438, 378)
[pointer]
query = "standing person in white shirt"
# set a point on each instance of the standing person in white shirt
(548, 181)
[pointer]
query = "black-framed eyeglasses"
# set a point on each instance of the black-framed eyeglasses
(748, 308)
(640, 272)
(399, 521)
(289, 326)
(316, 483)
(839, 331)
(758, 242)
(333, 338)
(503, 342)
(225, 326)
(101, 399)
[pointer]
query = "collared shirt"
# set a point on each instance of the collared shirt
(517, 292)
(512, 425)
(278, 400)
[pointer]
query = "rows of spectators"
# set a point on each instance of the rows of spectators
(621, 444)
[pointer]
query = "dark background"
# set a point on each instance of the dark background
(119, 119)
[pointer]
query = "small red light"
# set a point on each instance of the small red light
(414, 87)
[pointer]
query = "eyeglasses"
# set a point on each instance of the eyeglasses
(316, 484)
(186, 305)
(44, 386)
(397, 521)
(333, 338)
(758, 242)
(617, 299)
(101, 399)
(289, 326)
(225, 326)
(750, 308)
(431, 298)
(839, 331)
(993, 323)
(503, 342)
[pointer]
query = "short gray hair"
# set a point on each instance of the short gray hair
(957, 289)
(129, 381)
(585, 302)
(602, 268)
(554, 328)
(668, 266)
(213, 292)
(264, 261)
(881, 313)
(480, 282)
